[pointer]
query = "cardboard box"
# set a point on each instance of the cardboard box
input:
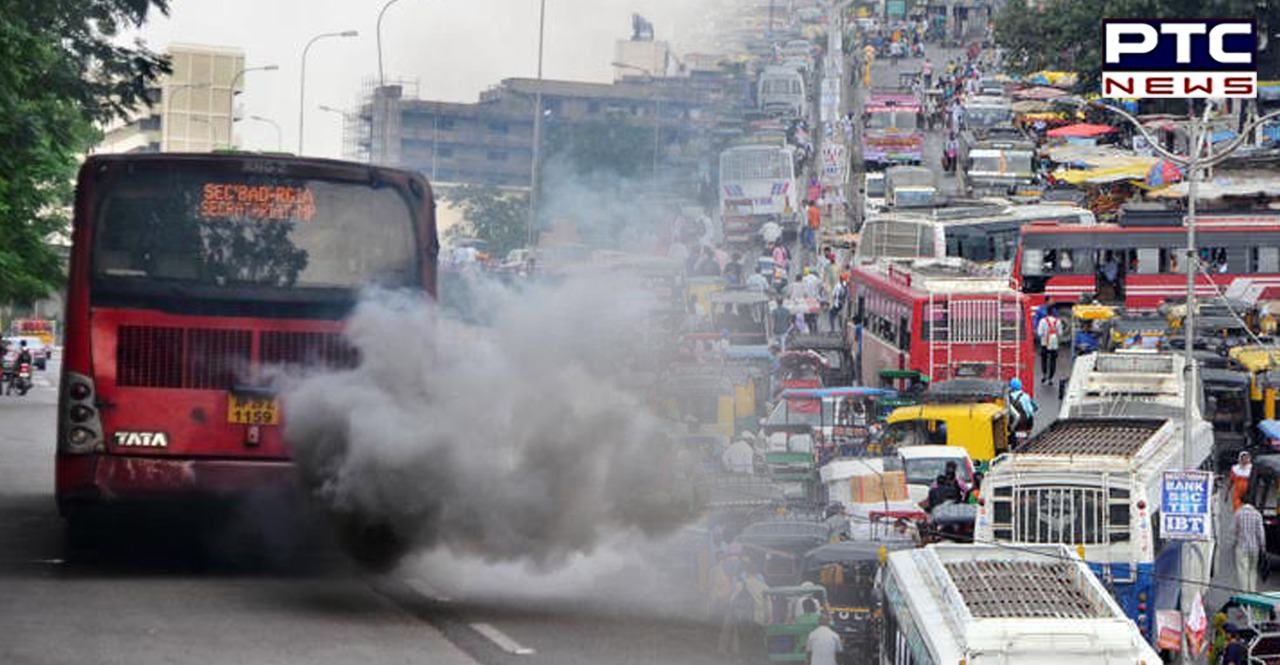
(872, 488)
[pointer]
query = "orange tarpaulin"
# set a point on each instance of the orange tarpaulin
(1081, 130)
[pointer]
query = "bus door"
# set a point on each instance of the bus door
(1111, 268)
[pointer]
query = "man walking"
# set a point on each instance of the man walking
(1251, 542)
(1048, 333)
(823, 643)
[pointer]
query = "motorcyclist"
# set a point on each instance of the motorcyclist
(24, 354)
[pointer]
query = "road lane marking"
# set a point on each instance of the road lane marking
(501, 639)
(427, 590)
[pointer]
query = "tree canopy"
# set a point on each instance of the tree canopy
(1066, 35)
(61, 71)
(490, 214)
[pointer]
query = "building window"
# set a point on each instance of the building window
(495, 155)
(444, 151)
(499, 128)
(444, 123)
(593, 107)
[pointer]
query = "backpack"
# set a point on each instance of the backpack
(1051, 334)
(1020, 411)
(742, 606)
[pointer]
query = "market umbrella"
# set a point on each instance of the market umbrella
(1163, 172)
(1031, 106)
(1081, 130)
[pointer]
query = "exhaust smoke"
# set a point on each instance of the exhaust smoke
(513, 441)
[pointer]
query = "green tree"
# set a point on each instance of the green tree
(490, 214)
(60, 72)
(1066, 35)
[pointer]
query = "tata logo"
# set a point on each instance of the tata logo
(1176, 58)
(142, 439)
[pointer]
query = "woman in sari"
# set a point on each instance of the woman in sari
(1240, 478)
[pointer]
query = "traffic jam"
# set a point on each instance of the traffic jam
(960, 364)
(944, 414)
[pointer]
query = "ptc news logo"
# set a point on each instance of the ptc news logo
(1176, 58)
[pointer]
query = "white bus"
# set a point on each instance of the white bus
(983, 233)
(1096, 483)
(978, 604)
(757, 183)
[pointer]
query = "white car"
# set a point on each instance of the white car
(923, 465)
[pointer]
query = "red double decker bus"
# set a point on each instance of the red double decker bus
(191, 278)
(1139, 263)
(946, 318)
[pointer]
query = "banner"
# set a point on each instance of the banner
(1169, 630)
(1197, 627)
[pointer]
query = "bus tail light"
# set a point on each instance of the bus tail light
(81, 426)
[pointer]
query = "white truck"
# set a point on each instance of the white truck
(980, 604)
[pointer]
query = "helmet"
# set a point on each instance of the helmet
(23, 343)
(1015, 383)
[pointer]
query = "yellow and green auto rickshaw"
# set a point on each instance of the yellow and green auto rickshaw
(1258, 361)
(981, 428)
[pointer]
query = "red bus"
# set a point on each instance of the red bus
(945, 318)
(190, 276)
(1140, 265)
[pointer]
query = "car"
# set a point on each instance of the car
(39, 352)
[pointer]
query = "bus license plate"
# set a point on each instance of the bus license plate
(252, 410)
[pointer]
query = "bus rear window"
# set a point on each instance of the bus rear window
(224, 231)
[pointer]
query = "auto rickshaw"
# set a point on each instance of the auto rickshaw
(1264, 493)
(786, 632)
(698, 292)
(1092, 325)
(744, 314)
(851, 572)
(1228, 408)
(1145, 332)
(981, 428)
(1254, 618)
(845, 417)
(800, 369)
(708, 401)
(1258, 361)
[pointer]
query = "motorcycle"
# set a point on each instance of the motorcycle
(20, 380)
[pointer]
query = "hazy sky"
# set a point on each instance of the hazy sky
(452, 48)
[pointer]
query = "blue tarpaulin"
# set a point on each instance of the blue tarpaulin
(1222, 135)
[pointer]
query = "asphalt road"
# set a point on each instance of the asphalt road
(169, 594)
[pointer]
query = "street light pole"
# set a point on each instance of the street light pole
(231, 97)
(302, 86)
(534, 175)
(276, 125)
(382, 79)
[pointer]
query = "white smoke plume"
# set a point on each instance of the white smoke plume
(511, 441)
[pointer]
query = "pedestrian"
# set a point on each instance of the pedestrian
(1240, 472)
(1047, 332)
(1022, 409)
(837, 304)
(707, 266)
(781, 319)
(733, 270)
(949, 153)
(1251, 542)
(926, 72)
(1235, 652)
(823, 643)
(815, 223)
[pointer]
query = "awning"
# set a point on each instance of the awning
(1118, 173)
(1220, 187)
(1081, 130)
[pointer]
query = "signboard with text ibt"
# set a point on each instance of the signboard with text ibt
(1184, 505)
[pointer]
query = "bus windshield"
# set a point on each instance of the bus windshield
(987, 116)
(161, 227)
(904, 120)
